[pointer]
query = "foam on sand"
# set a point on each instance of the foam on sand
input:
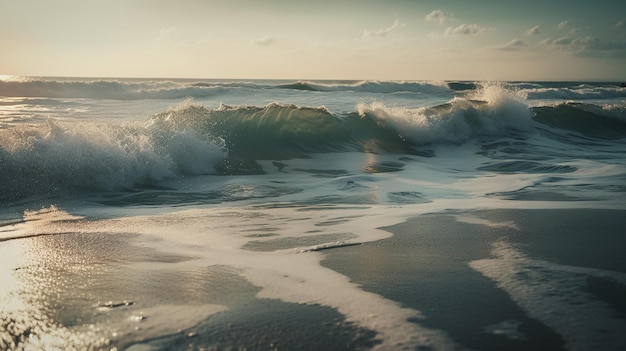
(556, 295)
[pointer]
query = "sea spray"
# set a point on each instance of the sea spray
(60, 156)
(491, 110)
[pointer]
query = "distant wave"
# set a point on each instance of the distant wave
(176, 89)
(113, 89)
(371, 87)
(577, 93)
(135, 89)
(569, 90)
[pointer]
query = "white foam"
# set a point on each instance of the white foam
(288, 275)
(555, 295)
(77, 156)
(497, 112)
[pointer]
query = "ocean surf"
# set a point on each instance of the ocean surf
(208, 214)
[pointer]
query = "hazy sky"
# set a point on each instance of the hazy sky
(317, 39)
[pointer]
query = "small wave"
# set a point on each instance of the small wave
(580, 92)
(112, 89)
(384, 87)
(462, 86)
(600, 122)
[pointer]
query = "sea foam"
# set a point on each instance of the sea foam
(491, 110)
(63, 156)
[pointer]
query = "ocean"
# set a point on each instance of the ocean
(195, 214)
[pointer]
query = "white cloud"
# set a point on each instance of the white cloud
(264, 41)
(166, 33)
(466, 29)
(563, 25)
(440, 16)
(588, 46)
(563, 41)
(533, 31)
(512, 45)
(381, 33)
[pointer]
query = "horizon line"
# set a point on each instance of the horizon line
(4, 77)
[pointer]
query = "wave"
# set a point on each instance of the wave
(491, 110)
(578, 92)
(131, 89)
(380, 87)
(114, 89)
(62, 157)
(280, 131)
(599, 122)
(135, 89)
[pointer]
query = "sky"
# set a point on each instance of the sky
(320, 39)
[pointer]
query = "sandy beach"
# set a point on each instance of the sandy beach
(490, 280)
(504, 279)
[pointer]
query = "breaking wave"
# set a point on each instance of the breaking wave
(60, 157)
(63, 156)
(491, 110)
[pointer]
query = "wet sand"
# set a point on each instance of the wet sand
(490, 280)
(439, 264)
(106, 291)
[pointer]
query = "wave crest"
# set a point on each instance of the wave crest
(491, 110)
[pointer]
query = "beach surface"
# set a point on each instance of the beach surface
(504, 279)
(483, 280)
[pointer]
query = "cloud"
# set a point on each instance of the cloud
(621, 24)
(381, 33)
(533, 31)
(166, 33)
(466, 29)
(263, 41)
(512, 45)
(591, 46)
(440, 16)
(563, 25)
(588, 46)
(563, 41)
